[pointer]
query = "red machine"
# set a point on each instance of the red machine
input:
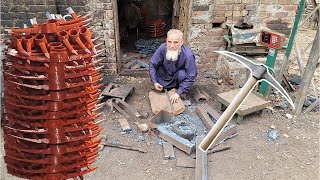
(271, 39)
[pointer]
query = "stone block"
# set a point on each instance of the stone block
(40, 2)
(232, 71)
(19, 8)
(17, 2)
(246, 1)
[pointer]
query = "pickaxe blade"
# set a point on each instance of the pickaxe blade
(265, 77)
(259, 72)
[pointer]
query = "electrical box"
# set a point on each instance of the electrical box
(271, 39)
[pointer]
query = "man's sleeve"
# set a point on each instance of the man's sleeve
(155, 61)
(191, 75)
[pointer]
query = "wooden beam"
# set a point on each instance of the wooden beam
(116, 36)
(201, 171)
(307, 75)
(301, 67)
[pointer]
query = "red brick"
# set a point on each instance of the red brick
(269, 2)
(290, 8)
(281, 14)
(284, 2)
(222, 7)
(238, 7)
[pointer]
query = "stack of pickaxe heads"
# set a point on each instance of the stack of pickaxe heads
(51, 79)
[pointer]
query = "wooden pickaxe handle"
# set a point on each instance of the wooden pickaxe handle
(224, 119)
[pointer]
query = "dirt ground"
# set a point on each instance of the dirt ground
(292, 155)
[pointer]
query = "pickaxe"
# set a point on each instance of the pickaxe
(259, 72)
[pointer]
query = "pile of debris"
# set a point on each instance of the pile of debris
(181, 125)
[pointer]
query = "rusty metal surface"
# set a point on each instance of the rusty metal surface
(156, 28)
(117, 90)
(51, 90)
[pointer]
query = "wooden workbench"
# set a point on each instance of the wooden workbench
(252, 103)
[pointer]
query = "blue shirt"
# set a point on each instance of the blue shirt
(164, 72)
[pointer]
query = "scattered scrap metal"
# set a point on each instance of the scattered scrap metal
(147, 46)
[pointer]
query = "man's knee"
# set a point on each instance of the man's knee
(181, 75)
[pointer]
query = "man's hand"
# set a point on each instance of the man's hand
(174, 98)
(158, 86)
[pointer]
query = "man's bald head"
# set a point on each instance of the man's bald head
(174, 43)
(175, 32)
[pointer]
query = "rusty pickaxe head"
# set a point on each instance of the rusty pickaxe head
(259, 72)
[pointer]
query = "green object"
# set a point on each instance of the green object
(291, 40)
(272, 55)
(294, 29)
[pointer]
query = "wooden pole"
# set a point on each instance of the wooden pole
(308, 74)
(116, 36)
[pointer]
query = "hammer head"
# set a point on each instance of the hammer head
(260, 72)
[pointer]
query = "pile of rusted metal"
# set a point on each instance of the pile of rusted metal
(51, 95)
(156, 28)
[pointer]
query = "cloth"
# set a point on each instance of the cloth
(181, 73)
(242, 36)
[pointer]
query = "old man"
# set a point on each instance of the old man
(173, 66)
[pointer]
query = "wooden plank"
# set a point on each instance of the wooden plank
(252, 103)
(124, 125)
(201, 171)
(307, 75)
(186, 162)
(116, 35)
(168, 151)
(160, 102)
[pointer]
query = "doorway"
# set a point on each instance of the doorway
(141, 27)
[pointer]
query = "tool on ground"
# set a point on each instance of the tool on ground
(259, 72)
(171, 106)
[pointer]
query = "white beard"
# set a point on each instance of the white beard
(172, 55)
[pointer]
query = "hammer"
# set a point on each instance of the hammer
(259, 72)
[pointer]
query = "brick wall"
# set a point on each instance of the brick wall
(15, 13)
(204, 39)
